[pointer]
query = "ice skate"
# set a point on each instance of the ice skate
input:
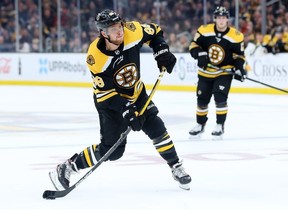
(181, 176)
(61, 176)
(218, 132)
(197, 131)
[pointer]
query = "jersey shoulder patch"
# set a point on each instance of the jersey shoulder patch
(130, 26)
(234, 35)
(133, 33)
(95, 59)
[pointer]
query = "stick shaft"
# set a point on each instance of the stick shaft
(253, 80)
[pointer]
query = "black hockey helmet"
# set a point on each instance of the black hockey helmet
(107, 18)
(221, 11)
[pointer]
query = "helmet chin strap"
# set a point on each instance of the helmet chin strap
(108, 38)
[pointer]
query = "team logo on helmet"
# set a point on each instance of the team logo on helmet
(127, 76)
(221, 11)
(216, 54)
(106, 18)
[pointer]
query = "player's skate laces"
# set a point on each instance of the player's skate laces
(218, 131)
(197, 130)
(181, 176)
(61, 176)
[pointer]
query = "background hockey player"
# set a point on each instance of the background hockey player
(119, 95)
(222, 46)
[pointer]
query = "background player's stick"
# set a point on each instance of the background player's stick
(253, 80)
(49, 194)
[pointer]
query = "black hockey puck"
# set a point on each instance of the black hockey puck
(49, 195)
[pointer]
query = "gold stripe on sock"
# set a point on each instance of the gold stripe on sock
(165, 148)
(87, 157)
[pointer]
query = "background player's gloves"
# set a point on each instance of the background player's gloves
(130, 114)
(202, 60)
(240, 75)
(164, 58)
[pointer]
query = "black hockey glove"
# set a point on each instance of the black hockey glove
(240, 72)
(130, 114)
(164, 58)
(240, 75)
(202, 60)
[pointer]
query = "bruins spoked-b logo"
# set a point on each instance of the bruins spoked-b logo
(127, 76)
(216, 54)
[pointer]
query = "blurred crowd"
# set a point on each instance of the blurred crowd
(179, 20)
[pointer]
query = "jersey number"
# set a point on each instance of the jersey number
(98, 81)
(148, 29)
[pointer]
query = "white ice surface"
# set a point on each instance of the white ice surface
(246, 173)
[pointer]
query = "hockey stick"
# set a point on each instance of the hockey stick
(253, 80)
(230, 71)
(50, 194)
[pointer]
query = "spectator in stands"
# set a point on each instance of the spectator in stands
(64, 45)
(174, 16)
(2, 44)
(174, 43)
(24, 46)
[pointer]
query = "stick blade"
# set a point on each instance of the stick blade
(49, 195)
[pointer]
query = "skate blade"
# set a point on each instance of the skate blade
(193, 137)
(215, 138)
(185, 186)
(54, 179)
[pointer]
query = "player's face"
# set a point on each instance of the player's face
(116, 33)
(221, 23)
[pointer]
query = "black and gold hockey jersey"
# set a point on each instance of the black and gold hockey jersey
(116, 74)
(223, 48)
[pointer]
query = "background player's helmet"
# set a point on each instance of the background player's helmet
(107, 18)
(221, 11)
